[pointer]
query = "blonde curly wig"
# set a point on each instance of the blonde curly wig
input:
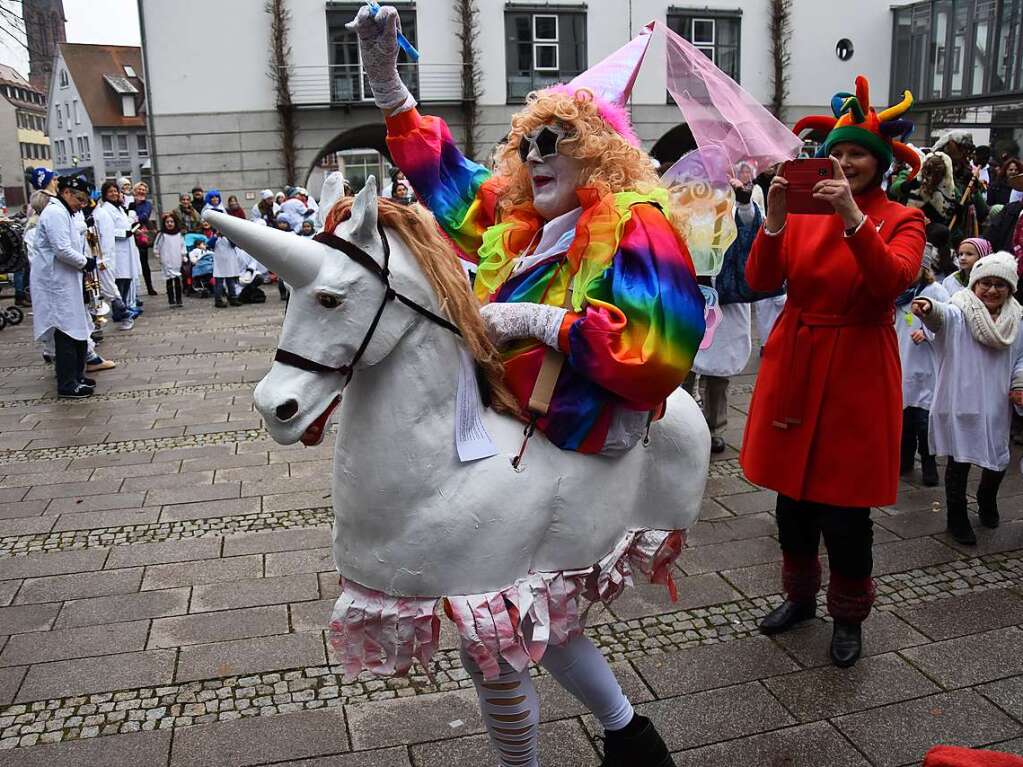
(611, 163)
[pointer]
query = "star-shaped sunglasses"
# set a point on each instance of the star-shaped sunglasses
(546, 139)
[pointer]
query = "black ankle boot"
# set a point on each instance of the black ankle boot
(929, 470)
(787, 615)
(846, 644)
(987, 497)
(637, 745)
(957, 520)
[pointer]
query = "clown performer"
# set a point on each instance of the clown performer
(587, 286)
(589, 290)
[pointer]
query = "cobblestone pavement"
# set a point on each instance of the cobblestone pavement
(165, 581)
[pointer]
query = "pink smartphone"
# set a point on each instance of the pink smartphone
(803, 175)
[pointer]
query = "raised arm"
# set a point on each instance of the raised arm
(888, 267)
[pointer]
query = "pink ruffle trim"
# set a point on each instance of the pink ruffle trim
(372, 631)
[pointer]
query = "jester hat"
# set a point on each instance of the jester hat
(855, 120)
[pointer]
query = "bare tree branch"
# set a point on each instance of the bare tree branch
(280, 75)
(781, 33)
(472, 74)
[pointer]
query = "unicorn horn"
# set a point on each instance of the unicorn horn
(296, 259)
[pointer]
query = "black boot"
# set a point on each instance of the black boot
(846, 644)
(170, 291)
(929, 470)
(907, 448)
(787, 615)
(987, 497)
(637, 745)
(956, 517)
(220, 303)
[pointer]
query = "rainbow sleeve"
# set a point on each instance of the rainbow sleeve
(643, 322)
(446, 181)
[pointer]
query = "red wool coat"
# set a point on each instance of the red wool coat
(826, 413)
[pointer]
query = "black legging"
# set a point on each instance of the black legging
(146, 274)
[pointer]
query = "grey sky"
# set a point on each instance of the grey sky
(113, 22)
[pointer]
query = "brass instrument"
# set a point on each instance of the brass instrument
(98, 306)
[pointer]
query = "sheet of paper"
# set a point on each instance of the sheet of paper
(471, 438)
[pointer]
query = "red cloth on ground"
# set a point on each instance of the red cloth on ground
(826, 416)
(954, 756)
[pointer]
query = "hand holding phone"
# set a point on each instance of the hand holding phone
(802, 176)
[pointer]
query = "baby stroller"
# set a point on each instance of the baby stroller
(13, 259)
(201, 272)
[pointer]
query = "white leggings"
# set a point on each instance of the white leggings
(511, 710)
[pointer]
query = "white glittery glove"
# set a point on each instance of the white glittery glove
(378, 43)
(508, 321)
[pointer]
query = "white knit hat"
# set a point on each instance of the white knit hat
(1001, 265)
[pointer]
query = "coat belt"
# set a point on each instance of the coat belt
(799, 351)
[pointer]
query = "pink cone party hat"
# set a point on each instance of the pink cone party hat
(611, 80)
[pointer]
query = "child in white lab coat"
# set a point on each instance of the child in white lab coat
(980, 371)
(170, 249)
(919, 367)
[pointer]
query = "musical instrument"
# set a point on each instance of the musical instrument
(99, 308)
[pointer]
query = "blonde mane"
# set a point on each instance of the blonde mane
(436, 257)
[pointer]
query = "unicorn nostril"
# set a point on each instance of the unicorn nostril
(286, 411)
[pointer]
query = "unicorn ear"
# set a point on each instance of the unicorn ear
(364, 213)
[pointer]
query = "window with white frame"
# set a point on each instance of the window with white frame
(86, 149)
(716, 34)
(543, 46)
(143, 144)
(108, 146)
(122, 145)
(63, 78)
(129, 70)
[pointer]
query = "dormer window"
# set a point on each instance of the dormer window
(129, 70)
(128, 106)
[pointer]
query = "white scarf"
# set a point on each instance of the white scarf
(996, 333)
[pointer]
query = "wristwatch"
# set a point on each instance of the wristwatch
(853, 229)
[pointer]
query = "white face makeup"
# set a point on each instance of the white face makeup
(554, 178)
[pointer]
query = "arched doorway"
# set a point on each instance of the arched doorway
(358, 153)
(673, 145)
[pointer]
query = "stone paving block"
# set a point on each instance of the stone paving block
(810, 642)
(712, 666)
(919, 499)
(314, 616)
(809, 745)
(34, 467)
(230, 507)
(827, 692)
(7, 591)
(902, 733)
(278, 540)
(112, 459)
(693, 591)
(711, 509)
(27, 618)
(32, 525)
(219, 626)
(254, 592)
(154, 481)
(708, 717)
(561, 743)
(11, 494)
(96, 520)
(291, 501)
(314, 469)
(908, 555)
(123, 607)
(384, 757)
(1007, 537)
(971, 659)
(202, 572)
(140, 470)
(74, 489)
(10, 680)
(912, 524)
(723, 556)
(161, 553)
(57, 588)
(96, 503)
(207, 454)
(17, 509)
(404, 721)
(1007, 694)
(137, 749)
(250, 656)
(730, 529)
(260, 739)
(225, 461)
(52, 563)
(749, 502)
(1008, 747)
(241, 473)
(965, 613)
(78, 476)
(291, 562)
(186, 493)
(60, 644)
(264, 485)
(84, 676)
(719, 486)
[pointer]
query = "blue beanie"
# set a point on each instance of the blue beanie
(211, 194)
(41, 178)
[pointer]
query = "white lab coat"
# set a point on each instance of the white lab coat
(952, 285)
(226, 262)
(293, 210)
(170, 248)
(56, 278)
(970, 411)
(113, 225)
(730, 350)
(768, 311)
(919, 362)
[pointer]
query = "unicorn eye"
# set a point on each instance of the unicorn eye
(327, 301)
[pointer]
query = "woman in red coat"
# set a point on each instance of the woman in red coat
(825, 419)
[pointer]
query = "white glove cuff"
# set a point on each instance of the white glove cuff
(548, 325)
